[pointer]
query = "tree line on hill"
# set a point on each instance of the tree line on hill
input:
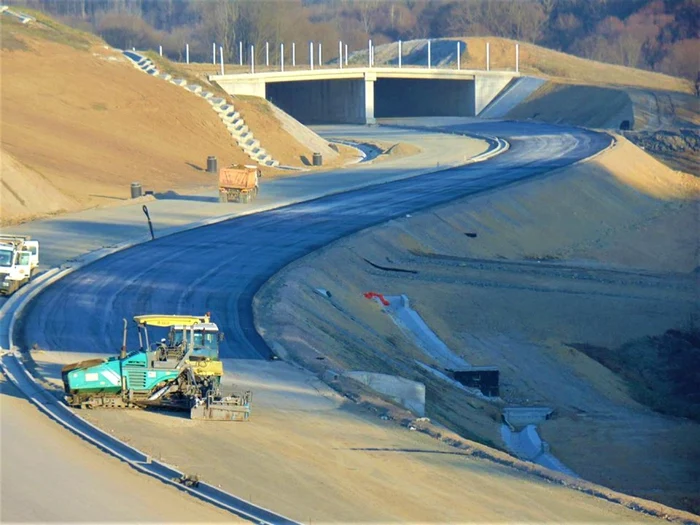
(658, 35)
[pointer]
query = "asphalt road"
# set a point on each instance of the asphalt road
(219, 268)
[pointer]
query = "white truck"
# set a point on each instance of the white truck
(19, 260)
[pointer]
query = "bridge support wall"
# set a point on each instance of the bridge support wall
(486, 88)
(325, 101)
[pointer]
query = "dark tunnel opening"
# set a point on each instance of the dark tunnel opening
(400, 97)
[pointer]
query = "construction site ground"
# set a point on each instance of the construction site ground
(610, 244)
(113, 488)
(334, 456)
(603, 253)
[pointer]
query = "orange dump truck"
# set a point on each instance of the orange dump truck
(238, 183)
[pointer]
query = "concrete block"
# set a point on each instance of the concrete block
(519, 417)
(179, 81)
(229, 117)
(239, 132)
(206, 94)
(194, 88)
(165, 76)
(407, 393)
(152, 72)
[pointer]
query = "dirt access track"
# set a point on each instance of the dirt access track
(600, 253)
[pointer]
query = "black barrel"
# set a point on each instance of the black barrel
(318, 159)
(136, 190)
(212, 165)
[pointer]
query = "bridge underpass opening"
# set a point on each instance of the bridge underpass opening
(407, 97)
(337, 101)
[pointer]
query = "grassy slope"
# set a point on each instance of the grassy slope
(542, 62)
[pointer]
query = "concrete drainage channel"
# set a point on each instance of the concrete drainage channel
(526, 443)
(231, 118)
(14, 369)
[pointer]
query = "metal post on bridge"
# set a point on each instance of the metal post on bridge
(294, 54)
(252, 58)
(429, 65)
(187, 53)
(346, 55)
(282, 56)
(400, 54)
(240, 53)
(221, 58)
(320, 56)
(311, 55)
(160, 50)
(369, 54)
(267, 54)
(459, 55)
(213, 53)
(340, 54)
(517, 58)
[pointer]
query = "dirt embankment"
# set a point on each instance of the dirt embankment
(85, 120)
(662, 122)
(80, 124)
(600, 253)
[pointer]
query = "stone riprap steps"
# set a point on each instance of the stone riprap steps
(227, 113)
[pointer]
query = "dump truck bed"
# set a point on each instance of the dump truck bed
(243, 178)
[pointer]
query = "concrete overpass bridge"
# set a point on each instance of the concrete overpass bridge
(358, 95)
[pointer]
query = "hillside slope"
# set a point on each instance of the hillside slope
(600, 253)
(83, 124)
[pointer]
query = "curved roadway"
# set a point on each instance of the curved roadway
(219, 268)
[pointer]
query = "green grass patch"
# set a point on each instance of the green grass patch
(165, 65)
(45, 28)
(10, 41)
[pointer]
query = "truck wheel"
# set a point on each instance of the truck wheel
(223, 197)
(255, 192)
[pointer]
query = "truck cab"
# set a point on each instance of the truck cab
(16, 263)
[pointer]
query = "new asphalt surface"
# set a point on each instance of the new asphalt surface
(219, 268)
